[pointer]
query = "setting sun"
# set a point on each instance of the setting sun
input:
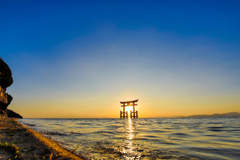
(129, 108)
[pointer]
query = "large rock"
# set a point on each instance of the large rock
(6, 80)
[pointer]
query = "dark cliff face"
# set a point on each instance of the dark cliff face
(6, 80)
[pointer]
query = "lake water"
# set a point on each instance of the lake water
(145, 138)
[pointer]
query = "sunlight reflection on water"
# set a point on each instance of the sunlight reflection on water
(170, 138)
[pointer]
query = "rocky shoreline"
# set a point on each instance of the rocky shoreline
(19, 142)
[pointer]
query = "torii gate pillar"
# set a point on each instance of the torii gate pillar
(133, 113)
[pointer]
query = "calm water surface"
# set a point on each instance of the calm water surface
(149, 138)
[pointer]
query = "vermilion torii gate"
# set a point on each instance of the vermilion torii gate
(133, 113)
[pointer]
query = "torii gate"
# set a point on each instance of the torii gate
(133, 114)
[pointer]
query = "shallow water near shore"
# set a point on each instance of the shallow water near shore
(145, 138)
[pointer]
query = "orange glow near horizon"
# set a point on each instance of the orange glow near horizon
(102, 106)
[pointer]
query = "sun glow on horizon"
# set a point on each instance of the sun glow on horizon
(129, 108)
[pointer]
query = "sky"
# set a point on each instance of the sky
(79, 59)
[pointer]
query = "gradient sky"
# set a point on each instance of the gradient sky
(81, 58)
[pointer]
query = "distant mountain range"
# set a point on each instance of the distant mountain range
(230, 114)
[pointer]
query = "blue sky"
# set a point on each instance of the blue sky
(176, 57)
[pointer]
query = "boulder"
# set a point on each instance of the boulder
(6, 80)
